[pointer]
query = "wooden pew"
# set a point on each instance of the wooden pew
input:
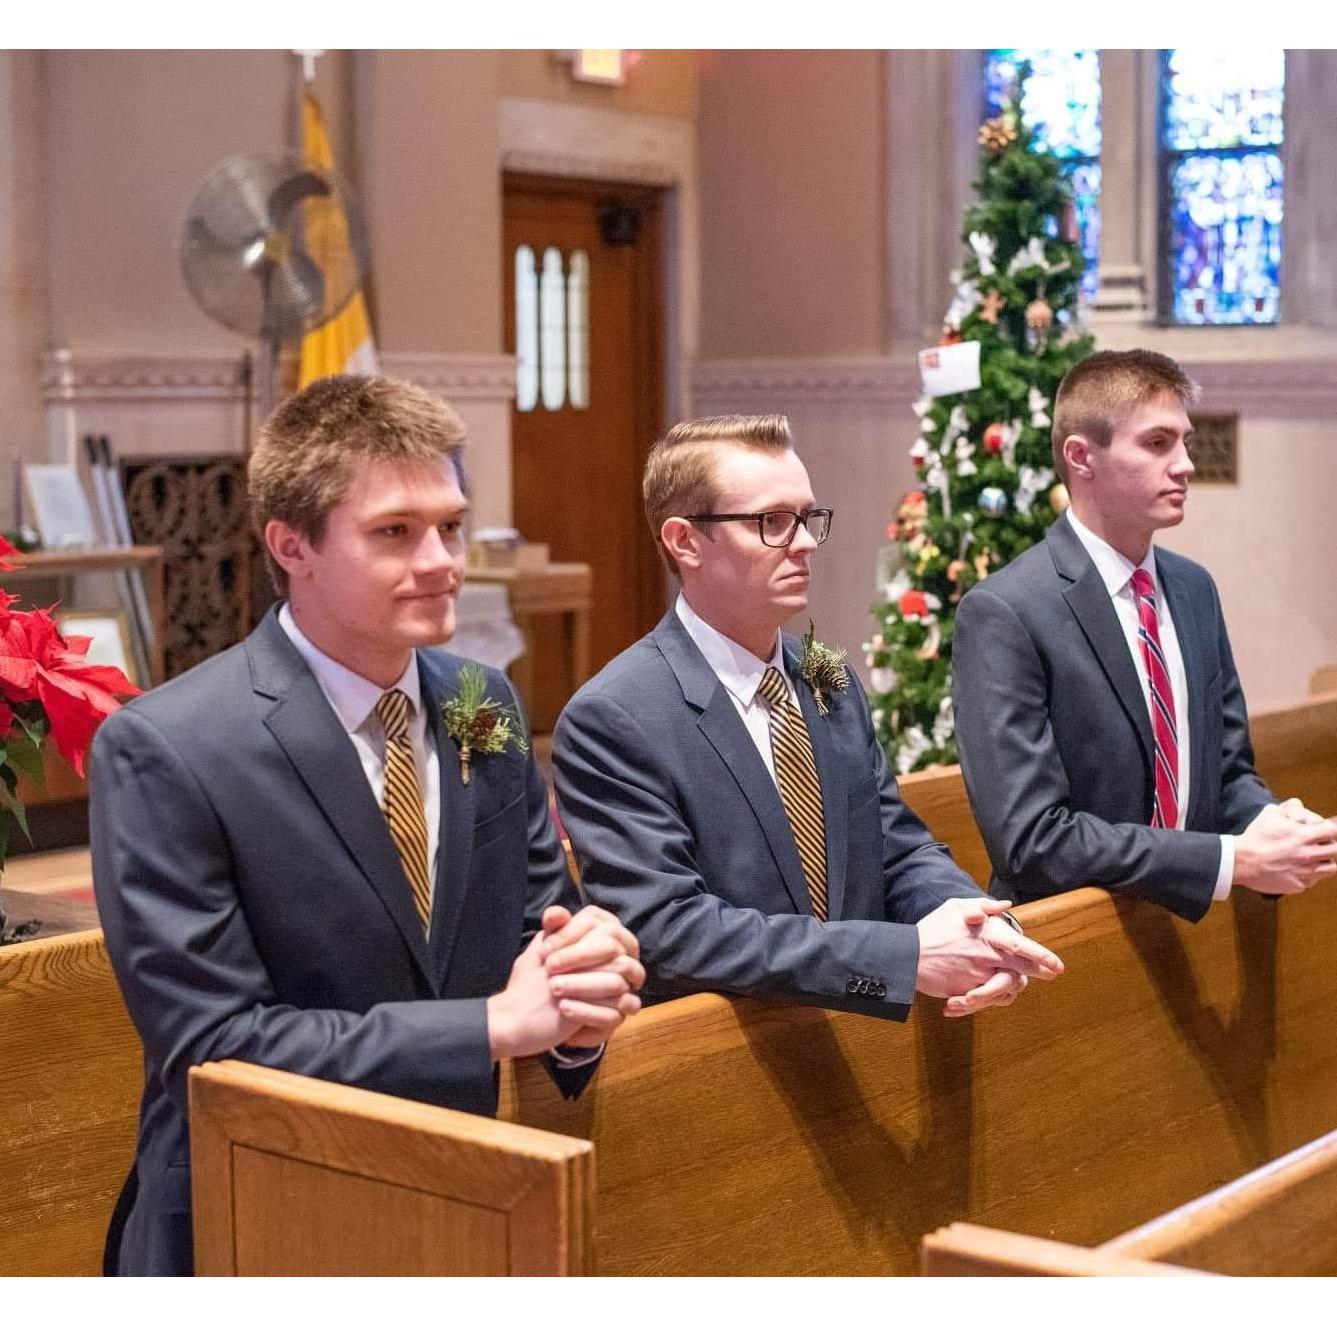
(1277, 1221)
(385, 1187)
(71, 1072)
(1237, 1009)
(962, 1250)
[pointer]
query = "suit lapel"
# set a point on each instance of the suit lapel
(1192, 649)
(1091, 605)
(722, 726)
(455, 832)
(307, 729)
(835, 789)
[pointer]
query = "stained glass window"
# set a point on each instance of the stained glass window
(1061, 105)
(1221, 132)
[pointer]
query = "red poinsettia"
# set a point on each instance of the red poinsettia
(46, 684)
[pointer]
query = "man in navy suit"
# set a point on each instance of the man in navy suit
(729, 801)
(292, 864)
(1102, 729)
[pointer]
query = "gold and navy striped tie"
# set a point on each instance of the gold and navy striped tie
(800, 789)
(402, 800)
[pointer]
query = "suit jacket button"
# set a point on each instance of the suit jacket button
(881, 990)
(851, 985)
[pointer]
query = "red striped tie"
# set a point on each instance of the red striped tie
(1166, 810)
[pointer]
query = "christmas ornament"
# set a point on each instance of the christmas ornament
(1036, 404)
(1029, 486)
(1031, 256)
(982, 564)
(932, 643)
(984, 246)
(913, 605)
(911, 514)
(955, 570)
(883, 679)
(991, 306)
(1058, 498)
(1039, 315)
(1069, 228)
(937, 479)
(993, 501)
(944, 723)
(965, 464)
(919, 453)
(950, 336)
(995, 434)
(997, 134)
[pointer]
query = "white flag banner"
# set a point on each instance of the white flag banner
(950, 369)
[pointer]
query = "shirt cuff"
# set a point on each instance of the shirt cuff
(575, 1056)
(1225, 873)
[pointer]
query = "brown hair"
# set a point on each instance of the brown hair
(680, 469)
(310, 446)
(1099, 391)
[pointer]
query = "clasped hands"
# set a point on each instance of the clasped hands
(573, 985)
(1285, 849)
(971, 956)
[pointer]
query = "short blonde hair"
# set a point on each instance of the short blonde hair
(680, 469)
(1100, 390)
(311, 445)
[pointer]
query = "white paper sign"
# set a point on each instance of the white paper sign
(950, 369)
(60, 506)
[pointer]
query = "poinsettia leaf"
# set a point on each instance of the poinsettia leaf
(11, 804)
(25, 756)
(35, 729)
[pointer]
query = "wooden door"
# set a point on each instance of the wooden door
(585, 256)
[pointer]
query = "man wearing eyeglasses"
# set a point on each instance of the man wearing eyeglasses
(724, 792)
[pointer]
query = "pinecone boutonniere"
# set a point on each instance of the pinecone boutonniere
(478, 723)
(823, 669)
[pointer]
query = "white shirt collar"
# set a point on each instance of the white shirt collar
(738, 669)
(1115, 569)
(352, 696)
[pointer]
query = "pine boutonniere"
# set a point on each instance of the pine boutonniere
(478, 723)
(823, 669)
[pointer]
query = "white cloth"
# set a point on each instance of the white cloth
(741, 673)
(1116, 571)
(353, 699)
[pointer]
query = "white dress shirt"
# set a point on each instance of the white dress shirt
(1116, 571)
(741, 673)
(353, 700)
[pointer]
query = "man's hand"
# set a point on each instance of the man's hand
(1282, 850)
(578, 996)
(975, 959)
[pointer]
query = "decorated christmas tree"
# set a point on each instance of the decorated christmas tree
(987, 488)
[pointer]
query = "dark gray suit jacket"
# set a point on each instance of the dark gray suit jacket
(1055, 738)
(255, 907)
(680, 832)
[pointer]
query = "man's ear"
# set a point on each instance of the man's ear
(289, 548)
(1077, 452)
(682, 541)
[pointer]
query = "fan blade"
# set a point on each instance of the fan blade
(286, 196)
(294, 295)
(202, 239)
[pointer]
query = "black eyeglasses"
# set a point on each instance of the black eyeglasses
(776, 529)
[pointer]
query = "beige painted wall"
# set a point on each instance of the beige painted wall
(23, 265)
(792, 172)
(661, 83)
(130, 135)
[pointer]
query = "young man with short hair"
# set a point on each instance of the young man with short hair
(1102, 730)
(295, 865)
(725, 794)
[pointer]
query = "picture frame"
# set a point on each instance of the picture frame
(110, 632)
(60, 507)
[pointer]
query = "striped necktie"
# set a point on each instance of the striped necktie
(1165, 811)
(402, 801)
(800, 789)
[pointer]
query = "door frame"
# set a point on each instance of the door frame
(652, 335)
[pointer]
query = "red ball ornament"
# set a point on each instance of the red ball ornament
(995, 434)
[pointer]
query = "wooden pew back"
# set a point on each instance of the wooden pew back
(71, 1072)
(963, 1250)
(741, 1137)
(1276, 1221)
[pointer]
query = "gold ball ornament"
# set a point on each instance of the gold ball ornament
(1039, 314)
(997, 134)
(1058, 498)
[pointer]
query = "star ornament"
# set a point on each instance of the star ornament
(992, 306)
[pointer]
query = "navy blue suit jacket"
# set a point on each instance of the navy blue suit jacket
(679, 830)
(255, 908)
(1055, 737)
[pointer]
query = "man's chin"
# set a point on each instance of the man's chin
(436, 630)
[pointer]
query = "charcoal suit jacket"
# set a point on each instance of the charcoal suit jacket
(255, 907)
(1055, 736)
(680, 831)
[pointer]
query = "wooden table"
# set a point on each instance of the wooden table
(565, 588)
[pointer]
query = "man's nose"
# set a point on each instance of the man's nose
(1182, 465)
(802, 541)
